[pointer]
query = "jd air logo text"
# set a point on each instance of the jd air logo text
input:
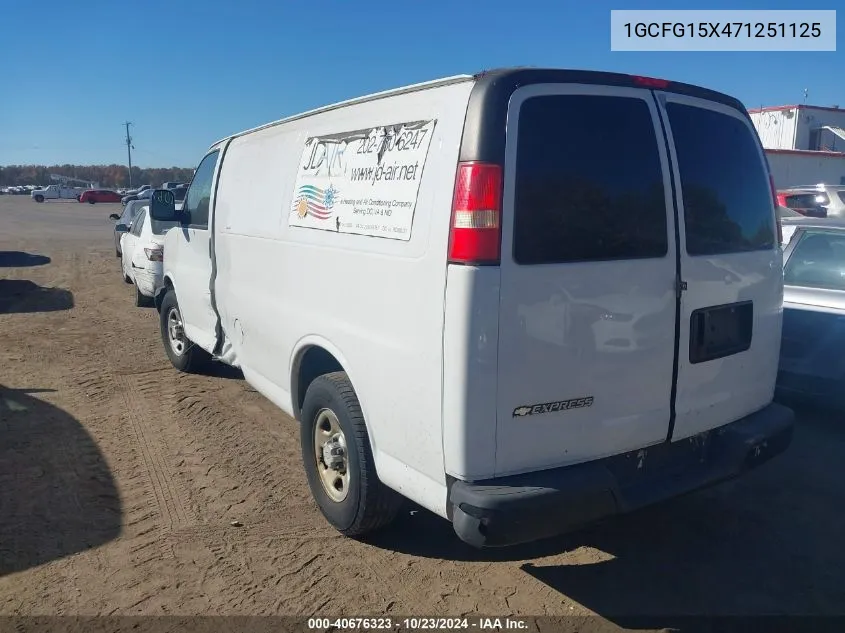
(551, 407)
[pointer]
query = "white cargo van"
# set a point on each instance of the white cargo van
(524, 299)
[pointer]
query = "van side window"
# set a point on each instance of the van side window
(589, 185)
(198, 197)
(726, 192)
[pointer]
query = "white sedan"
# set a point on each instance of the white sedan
(142, 255)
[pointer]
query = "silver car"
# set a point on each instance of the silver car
(812, 362)
(123, 222)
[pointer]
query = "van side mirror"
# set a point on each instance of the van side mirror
(163, 206)
(114, 216)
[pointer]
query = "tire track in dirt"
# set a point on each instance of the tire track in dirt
(236, 448)
(191, 411)
(254, 448)
(244, 442)
(239, 477)
(152, 449)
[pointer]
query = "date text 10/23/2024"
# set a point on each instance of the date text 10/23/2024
(417, 624)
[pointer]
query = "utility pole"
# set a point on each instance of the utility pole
(129, 149)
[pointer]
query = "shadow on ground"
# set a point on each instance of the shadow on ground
(222, 370)
(19, 296)
(57, 493)
(767, 543)
(18, 259)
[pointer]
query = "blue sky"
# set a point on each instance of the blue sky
(187, 72)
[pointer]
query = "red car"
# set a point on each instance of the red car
(99, 195)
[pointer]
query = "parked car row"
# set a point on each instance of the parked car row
(92, 196)
(564, 335)
(19, 190)
(146, 191)
(62, 192)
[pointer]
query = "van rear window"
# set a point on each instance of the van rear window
(589, 185)
(727, 197)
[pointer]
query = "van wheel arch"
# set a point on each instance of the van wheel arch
(160, 294)
(311, 362)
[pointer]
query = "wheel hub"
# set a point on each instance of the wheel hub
(331, 455)
(176, 332)
(334, 456)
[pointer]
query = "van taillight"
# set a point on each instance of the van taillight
(475, 235)
(777, 210)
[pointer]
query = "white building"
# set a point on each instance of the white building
(805, 144)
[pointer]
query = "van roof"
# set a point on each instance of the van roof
(498, 84)
(370, 97)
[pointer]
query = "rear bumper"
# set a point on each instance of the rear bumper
(147, 281)
(522, 508)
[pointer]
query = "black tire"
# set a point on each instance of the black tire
(142, 301)
(369, 504)
(193, 359)
(117, 253)
(91, 201)
(39, 198)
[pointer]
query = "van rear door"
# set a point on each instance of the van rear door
(730, 263)
(588, 277)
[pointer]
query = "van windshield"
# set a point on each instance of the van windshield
(728, 205)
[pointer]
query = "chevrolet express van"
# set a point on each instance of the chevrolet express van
(524, 299)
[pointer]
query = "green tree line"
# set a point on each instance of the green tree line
(108, 176)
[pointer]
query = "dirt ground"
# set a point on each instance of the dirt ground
(119, 480)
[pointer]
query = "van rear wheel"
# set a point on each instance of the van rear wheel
(183, 354)
(338, 459)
